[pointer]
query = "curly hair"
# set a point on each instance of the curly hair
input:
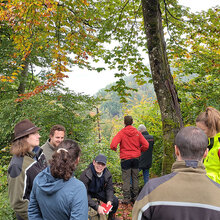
(211, 120)
(64, 160)
(20, 147)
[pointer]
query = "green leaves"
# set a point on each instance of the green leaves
(196, 63)
(45, 110)
(44, 34)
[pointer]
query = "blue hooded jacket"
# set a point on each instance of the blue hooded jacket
(53, 198)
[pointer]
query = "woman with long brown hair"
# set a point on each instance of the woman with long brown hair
(27, 161)
(209, 122)
(56, 193)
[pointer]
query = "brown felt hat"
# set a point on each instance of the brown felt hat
(24, 128)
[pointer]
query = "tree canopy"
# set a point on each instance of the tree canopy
(56, 35)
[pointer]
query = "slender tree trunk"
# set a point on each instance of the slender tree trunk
(163, 81)
(23, 79)
(99, 128)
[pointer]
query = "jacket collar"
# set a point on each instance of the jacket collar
(145, 133)
(188, 166)
(51, 146)
(35, 153)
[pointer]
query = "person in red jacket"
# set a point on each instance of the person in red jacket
(132, 143)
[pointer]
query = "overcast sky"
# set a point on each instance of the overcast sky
(89, 82)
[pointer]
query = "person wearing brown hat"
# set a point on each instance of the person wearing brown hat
(27, 161)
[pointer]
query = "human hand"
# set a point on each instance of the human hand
(109, 203)
(101, 210)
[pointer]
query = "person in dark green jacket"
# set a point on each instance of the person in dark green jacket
(57, 135)
(27, 161)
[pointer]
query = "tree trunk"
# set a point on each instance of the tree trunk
(99, 128)
(162, 79)
(23, 79)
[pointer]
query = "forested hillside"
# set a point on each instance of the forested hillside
(141, 105)
(111, 105)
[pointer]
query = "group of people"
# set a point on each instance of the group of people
(41, 180)
(42, 185)
(192, 189)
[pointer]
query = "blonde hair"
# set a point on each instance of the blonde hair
(211, 120)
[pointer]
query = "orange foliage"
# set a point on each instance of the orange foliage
(53, 81)
(39, 25)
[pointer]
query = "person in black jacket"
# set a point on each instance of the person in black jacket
(98, 182)
(145, 160)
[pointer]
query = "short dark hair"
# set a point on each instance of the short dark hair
(128, 120)
(57, 128)
(192, 143)
(63, 162)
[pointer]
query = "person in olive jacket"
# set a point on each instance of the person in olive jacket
(98, 181)
(28, 160)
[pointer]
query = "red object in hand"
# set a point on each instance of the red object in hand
(107, 208)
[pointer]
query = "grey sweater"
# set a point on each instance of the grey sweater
(48, 150)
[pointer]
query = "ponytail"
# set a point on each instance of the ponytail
(64, 160)
(211, 119)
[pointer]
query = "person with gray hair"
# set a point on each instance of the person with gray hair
(187, 193)
(145, 160)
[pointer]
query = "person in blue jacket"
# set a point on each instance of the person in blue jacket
(56, 193)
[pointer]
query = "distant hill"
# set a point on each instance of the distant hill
(112, 105)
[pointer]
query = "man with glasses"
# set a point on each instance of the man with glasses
(98, 181)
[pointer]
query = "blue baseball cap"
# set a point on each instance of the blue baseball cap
(101, 159)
